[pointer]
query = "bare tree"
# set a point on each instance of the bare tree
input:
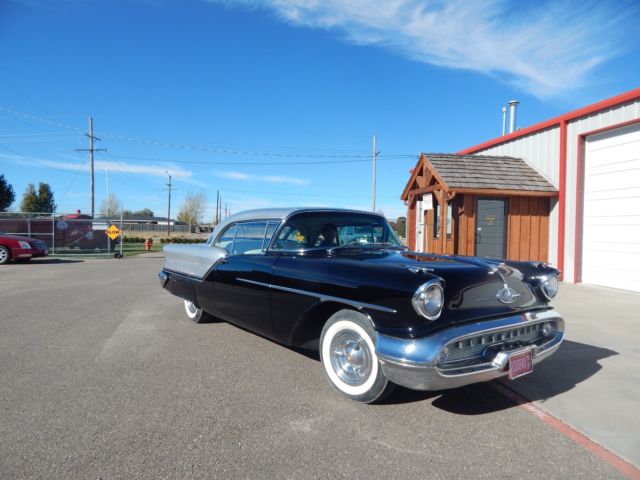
(192, 208)
(110, 206)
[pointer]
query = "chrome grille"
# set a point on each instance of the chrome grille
(482, 348)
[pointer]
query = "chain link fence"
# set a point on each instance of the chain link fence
(63, 233)
(76, 233)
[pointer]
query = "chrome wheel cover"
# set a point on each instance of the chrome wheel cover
(191, 308)
(351, 358)
(4, 255)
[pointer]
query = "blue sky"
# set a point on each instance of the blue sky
(275, 102)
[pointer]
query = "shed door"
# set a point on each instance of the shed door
(491, 227)
(611, 222)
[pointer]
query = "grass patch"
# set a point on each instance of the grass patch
(129, 249)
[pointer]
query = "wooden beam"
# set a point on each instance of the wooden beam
(504, 193)
(429, 189)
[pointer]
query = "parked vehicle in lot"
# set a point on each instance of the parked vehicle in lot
(339, 281)
(20, 249)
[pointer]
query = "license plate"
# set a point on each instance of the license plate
(520, 364)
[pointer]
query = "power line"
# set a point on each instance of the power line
(295, 163)
(201, 148)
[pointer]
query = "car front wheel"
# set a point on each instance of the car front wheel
(5, 255)
(349, 358)
(195, 314)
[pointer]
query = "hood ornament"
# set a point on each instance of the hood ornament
(507, 295)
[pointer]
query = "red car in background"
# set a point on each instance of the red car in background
(21, 249)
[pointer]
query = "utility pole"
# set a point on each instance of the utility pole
(218, 207)
(374, 154)
(91, 150)
(169, 206)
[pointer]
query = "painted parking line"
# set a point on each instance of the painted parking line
(625, 468)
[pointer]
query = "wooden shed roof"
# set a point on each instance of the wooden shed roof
(481, 174)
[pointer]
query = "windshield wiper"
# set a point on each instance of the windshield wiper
(389, 245)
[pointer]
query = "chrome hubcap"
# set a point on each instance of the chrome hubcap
(3, 254)
(350, 357)
(192, 310)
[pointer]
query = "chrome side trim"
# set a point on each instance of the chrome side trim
(321, 296)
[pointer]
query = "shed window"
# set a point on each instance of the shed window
(436, 219)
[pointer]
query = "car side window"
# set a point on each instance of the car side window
(271, 228)
(290, 238)
(226, 239)
(249, 238)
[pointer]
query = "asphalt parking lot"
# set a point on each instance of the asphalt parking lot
(103, 377)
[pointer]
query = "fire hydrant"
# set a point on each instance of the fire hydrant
(147, 244)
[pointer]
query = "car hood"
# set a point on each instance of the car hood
(472, 285)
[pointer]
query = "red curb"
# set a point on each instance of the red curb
(625, 468)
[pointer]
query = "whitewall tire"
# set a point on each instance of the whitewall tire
(349, 359)
(195, 314)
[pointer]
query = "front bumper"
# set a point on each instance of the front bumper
(416, 363)
(21, 253)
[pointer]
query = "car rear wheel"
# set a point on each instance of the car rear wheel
(349, 358)
(5, 255)
(195, 314)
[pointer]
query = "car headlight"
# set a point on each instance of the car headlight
(429, 299)
(549, 286)
(24, 245)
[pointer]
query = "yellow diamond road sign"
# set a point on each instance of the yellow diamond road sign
(113, 232)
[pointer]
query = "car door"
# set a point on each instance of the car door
(241, 287)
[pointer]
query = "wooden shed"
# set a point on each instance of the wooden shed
(489, 206)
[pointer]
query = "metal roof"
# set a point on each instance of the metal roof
(275, 214)
(487, 172)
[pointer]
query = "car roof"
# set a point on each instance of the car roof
(276, 214)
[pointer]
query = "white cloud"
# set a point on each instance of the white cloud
(546, 47)
(245, 177)
(101, 165)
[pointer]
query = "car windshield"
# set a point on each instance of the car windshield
(335, 229)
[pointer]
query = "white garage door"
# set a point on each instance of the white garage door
(611, 227)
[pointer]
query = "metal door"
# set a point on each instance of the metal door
(491, 227)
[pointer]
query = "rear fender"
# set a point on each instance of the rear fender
(179, 285)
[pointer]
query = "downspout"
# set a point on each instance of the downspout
(562, 196)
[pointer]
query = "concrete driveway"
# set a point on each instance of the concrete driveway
(102, 376)
(593, 381)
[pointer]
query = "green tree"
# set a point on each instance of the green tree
(145, 212)
(45, 198)
(7, 195)
(29, 199)
(40, 201)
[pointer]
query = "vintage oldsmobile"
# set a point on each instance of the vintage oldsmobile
(340, 282)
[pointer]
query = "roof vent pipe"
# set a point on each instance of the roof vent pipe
(504, 120)
(513, 105)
